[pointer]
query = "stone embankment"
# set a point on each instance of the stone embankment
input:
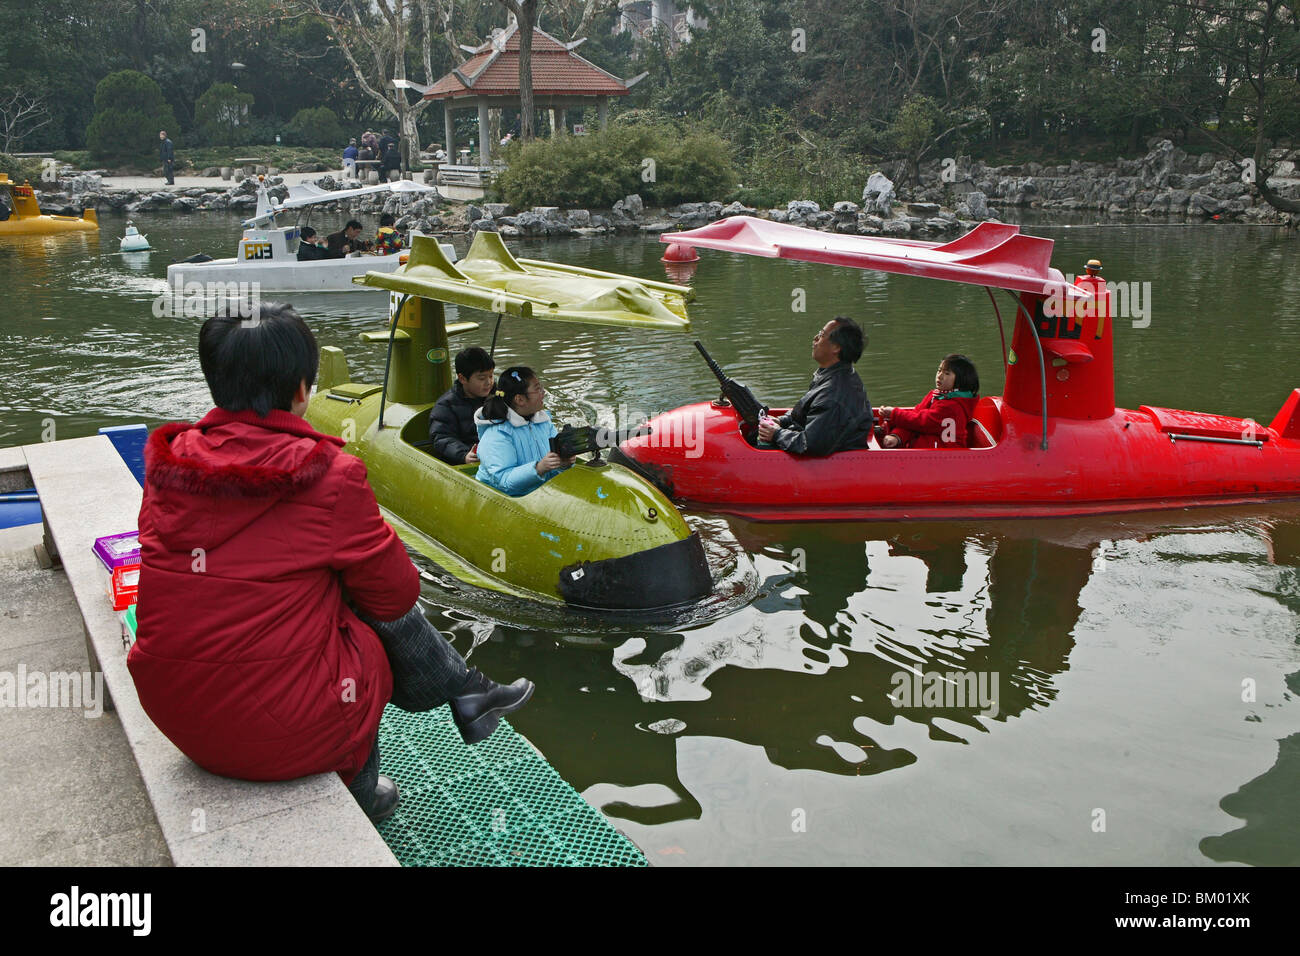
(1166, 182)
(953, 196)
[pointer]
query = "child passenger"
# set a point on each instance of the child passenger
(388, 240)
(939, 420)
(514, 435)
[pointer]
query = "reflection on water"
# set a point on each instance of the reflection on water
(1118, 652)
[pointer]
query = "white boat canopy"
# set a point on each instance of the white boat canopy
(309, 194)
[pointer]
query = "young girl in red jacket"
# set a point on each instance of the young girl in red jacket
(939, 420)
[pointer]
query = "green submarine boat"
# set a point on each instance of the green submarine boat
(595, 536)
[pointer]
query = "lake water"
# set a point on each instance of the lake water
(1137, 675)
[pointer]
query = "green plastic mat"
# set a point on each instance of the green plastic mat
(497, 803)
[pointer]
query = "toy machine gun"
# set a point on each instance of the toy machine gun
(572, 441)
(749, 409)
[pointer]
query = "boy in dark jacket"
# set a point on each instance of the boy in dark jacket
(451, 420)
(834, 414)
(278, 610)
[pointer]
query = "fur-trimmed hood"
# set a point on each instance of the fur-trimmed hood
(208, 480)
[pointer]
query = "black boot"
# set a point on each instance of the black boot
(477, 709)
(385, 801)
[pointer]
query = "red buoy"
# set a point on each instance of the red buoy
(677, 252)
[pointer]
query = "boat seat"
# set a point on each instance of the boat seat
(985, 427)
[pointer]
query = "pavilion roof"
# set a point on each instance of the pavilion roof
(493, 70)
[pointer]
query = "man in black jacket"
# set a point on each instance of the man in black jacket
(167, 153)
(451, 420)
(834, 414)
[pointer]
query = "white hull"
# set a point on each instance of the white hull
(321, 275)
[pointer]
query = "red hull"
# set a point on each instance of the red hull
(1132, 461)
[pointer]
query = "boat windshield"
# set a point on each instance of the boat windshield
(6, 207)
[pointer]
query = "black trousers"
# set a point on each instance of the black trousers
(427, 672)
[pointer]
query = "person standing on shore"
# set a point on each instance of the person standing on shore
(167, 153)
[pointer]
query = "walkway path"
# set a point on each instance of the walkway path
(70, 791)
(215, 183)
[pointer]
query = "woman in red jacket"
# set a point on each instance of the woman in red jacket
(278, 612)
(939, 420)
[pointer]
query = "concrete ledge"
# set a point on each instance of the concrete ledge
(87, 492)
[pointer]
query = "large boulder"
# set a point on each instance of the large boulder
(974, 205)
(878, 194)
(498, 209)
(736, 208)
(473, 213)
(630, 206)
(185, 204)
(798, 210)
(529, 224)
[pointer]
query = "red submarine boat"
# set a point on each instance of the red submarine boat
(1054, 445)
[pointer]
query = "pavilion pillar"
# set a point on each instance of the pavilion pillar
(564, 121)
(449, 131)
(602, 110)
(484, 134)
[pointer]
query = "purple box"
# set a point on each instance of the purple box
(115, 550)
(120, 556)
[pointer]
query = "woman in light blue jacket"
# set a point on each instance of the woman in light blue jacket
(514, 435)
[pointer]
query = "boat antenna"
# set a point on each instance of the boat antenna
(388, 361)
(1042, 363)
(492, 352)
(1001, 334)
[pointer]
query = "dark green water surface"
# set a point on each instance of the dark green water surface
(1146, 667)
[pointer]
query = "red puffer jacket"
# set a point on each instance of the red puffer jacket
(253, 532)
(933, 418)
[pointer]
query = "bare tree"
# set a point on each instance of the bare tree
(525, 12)
(22, 112)
(373, 35)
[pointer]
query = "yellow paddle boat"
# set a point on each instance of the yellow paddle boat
(20, 214)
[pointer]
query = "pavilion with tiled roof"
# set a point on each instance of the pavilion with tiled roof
(489, 79)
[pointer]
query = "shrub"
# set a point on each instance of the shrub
(129, 112)
(316, 126)
(658, 162)
(19, 170)
(222, 115)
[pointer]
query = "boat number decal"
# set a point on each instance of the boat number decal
(437, 355)
(257, 250)
(1057, 327)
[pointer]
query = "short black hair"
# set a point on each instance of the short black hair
(255, 360)
(386, 219)
(472, 360)
(848, 335)
(306, 232)
(352, 224)
(965, 378)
